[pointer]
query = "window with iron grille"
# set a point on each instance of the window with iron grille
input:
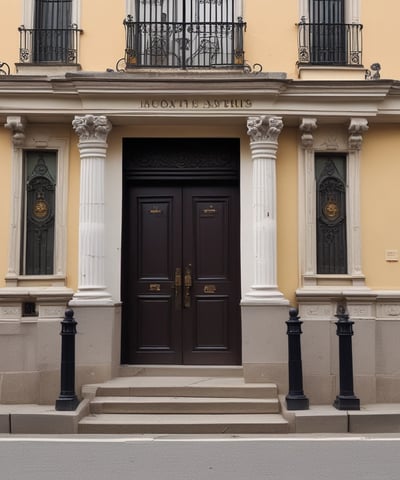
(38, 221)
(52, 35)
(184, 34)
(324, 36)
(328, 32)
(330, 172)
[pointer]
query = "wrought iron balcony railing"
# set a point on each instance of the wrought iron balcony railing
(330, 44)
(184, 45)
(46, 45)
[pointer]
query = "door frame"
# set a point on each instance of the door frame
(185, 161)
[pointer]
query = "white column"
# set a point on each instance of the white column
(264, 132)
(92, 132)
(357, 128)
(307, 214)
(17, 126)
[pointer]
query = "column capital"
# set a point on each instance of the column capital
(17, 126)
(356, 129)
(92, 127)
(263, 128)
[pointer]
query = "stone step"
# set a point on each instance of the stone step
(181, 370)
(217, 387)
(183, 424)
(183, 405)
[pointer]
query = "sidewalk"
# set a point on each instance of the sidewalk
(373, 418)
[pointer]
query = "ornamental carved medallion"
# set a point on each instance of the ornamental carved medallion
(40, 209)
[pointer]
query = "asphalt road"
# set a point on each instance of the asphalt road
(195, 458)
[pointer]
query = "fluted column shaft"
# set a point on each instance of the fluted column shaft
(264, 132)
(92, 132)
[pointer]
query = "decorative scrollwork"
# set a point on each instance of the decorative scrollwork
(304, 55)
(256, 68)
(4, 68)
(375, 67)
(120, 65)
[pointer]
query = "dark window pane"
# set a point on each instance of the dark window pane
(331, 214)
(327, 32)
(39, 218)
(52, 36)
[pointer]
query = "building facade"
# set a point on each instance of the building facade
(181, 172)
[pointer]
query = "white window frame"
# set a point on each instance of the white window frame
(130, 7)
(329, 139)
(35, 139)
(352, 11)
(28, 12)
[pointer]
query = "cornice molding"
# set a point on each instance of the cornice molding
(46, 99)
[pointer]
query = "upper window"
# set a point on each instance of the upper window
(328, 31)
(326, 38)
(54, 35)
(51, 40)
(184, 34)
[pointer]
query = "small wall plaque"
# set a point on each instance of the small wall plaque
(392, 255)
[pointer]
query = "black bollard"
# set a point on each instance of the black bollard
(295, 399)
(67, 400)
(346, 400)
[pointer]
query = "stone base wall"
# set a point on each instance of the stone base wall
(376, 356)
(30, 344)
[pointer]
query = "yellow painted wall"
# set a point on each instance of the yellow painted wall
(381, 31)
(5, 198)
(73, 214)
(380, 217)
(9, 35)
(271, 36)
(103, 40)
(287, 213)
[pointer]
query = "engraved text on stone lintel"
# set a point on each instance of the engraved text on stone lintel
(197, 104)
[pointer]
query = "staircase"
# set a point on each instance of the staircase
(179, 400)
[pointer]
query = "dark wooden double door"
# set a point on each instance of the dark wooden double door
(181, 274)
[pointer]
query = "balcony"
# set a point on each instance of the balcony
(184, 45)
(335, 44)
(49, 45)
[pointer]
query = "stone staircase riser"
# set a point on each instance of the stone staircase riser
(188, 391)
(193, 408)
(184, 429)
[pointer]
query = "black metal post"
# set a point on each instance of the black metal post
(295, 399)
(346, 400)
(67, 399)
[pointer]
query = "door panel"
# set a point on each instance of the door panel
(181, 288)
(211, 329)
(152, 249)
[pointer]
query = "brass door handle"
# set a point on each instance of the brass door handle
(188, 285)
(178, 288)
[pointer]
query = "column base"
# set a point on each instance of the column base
(92, 297)
(265, 295)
